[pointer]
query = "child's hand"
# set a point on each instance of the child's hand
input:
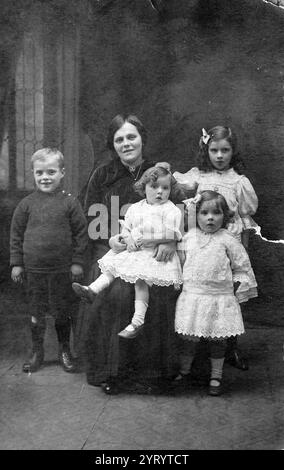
(76, 272)
(192, 200)
(130, 243)
(17, 274)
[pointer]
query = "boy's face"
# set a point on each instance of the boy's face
(48, 174)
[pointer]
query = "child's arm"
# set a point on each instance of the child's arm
(245, 285)
(247, 205)
(17, 232)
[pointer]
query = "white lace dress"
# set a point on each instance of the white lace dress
(236, 189)
(207, 306)
(148, 222)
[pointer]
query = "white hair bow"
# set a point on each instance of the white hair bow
(205, 136)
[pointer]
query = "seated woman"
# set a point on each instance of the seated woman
(113, 362)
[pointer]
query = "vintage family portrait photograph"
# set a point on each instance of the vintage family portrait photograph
(141, 228)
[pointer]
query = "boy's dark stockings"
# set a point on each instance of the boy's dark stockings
(37, 356)
(64, 354)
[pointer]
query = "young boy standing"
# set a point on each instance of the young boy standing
(47, 244)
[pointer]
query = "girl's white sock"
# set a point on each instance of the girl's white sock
(100, 283)
(139, 314)
(217, 367)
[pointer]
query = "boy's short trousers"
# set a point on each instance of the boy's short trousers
(50, 293)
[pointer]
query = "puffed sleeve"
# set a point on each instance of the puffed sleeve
(248, 202)
(241, 269)
(188, 180)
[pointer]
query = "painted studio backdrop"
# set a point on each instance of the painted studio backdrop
(68, 67)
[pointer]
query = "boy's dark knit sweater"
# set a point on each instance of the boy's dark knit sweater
(48, 233)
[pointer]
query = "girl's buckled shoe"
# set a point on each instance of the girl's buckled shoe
(215, 390)
(126, 334)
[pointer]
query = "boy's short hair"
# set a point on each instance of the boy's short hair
(43, 153)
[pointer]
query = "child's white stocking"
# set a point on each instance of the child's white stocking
(216, 367)
(139, 314)
(101, 283)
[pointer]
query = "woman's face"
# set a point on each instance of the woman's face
(127, 143)
(220, 154)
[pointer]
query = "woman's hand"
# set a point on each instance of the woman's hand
(165, 251)
(17, 274)
(77, 272)
(117, 243)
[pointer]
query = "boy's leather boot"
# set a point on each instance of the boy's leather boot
(234, 356)
(37, 356)
(64, 354)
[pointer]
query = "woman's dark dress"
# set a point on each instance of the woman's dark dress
(153, 353)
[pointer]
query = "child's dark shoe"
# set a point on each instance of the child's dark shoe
(66, 360)
(34, 363)
(131, 331)
(235, 359)
(215, 387)
(86, 294)
(181, 379)
(111, 387)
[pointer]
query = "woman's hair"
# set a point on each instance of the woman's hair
(151, 175)
(118, 122)
(44, 153)
(215, 134)
(220, 204)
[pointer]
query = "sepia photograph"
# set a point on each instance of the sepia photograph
(141, 228)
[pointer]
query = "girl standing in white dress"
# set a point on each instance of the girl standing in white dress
(147, 223)
(217, 276)
(220, 169)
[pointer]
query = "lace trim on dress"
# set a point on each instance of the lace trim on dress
(150, 280)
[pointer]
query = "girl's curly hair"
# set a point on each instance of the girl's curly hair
(219, 133)
(151, 175)
(221, 203)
